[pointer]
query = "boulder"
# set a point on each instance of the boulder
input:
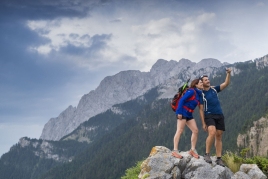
(162, 165)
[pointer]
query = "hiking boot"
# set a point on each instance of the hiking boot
(207, 158)
(193, 153)
(175, 153)
(220, 162)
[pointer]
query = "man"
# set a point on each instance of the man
(214, 119)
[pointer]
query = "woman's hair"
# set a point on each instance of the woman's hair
(194, 82)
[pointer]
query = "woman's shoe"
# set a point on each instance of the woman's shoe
(192, 153)
(175, 153)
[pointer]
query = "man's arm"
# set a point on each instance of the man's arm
(227, 79)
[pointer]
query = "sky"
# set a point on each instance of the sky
(53, 52)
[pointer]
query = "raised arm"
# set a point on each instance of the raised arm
(227, 79)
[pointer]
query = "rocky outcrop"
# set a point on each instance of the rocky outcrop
(44, 149)
(249, 171)
(256, 139)
(262, 62)
(123, 87)
(161, 165)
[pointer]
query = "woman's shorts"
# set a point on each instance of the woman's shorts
(186, 118)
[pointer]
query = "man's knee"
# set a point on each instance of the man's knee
(211, 130)
(218, 135)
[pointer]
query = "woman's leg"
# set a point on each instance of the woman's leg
(179, 131)
(193, 127)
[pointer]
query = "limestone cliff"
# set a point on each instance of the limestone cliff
(262, 62)
(256, 139)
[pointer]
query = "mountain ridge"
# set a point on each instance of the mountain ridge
(121, 87)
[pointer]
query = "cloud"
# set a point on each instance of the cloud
(48, 9)
(144, 42)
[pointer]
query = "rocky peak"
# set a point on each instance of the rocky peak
(262, 62)
(24, 142)
(208, 62)
(160, 164)
(186, 63)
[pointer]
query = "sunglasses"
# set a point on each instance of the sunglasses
(202, 76)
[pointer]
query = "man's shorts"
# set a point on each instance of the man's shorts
(216, 120)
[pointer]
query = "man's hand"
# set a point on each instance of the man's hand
(228, 70)
(205, 127)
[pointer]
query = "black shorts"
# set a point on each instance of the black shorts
(216, 120)
(186, 118)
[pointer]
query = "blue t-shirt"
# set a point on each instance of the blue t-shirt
(189, 104)
(211, 102)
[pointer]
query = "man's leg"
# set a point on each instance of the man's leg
(210, 138)
(218, 146)
(218, 143)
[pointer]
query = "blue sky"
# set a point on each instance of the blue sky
(53, 52)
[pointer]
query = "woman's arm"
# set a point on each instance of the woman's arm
(186, 96)
(202, 116)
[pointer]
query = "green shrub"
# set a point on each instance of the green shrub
(233, 161)
(133, 172)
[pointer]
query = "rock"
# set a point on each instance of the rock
(262, 62)
(162, 165)
(240, 175)
(253, 171)
(256, 138)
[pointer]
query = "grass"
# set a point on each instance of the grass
(232, 161)
(133, 172)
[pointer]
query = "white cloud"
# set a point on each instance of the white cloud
(147, 41)
(147, 36)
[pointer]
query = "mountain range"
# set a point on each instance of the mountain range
(112, 140)
(124, 86)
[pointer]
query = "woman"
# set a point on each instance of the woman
(184, 113)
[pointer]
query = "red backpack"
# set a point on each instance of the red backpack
(175, 101)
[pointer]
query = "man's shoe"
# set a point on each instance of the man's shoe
(192, 153)
(220, 162)
(207, 158)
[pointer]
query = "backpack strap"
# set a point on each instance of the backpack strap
(191, 99)
(205, 100)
